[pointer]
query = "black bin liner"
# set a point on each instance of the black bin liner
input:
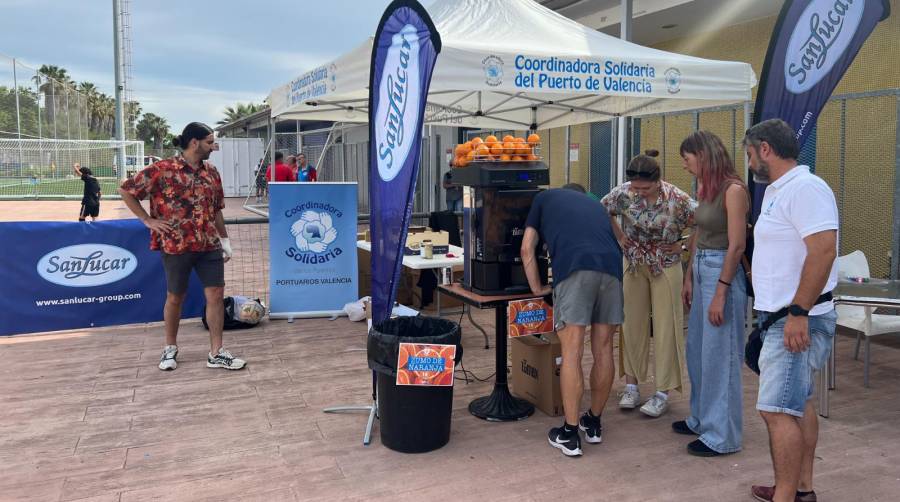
(412, 419)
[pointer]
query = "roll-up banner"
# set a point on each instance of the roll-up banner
(312, 248)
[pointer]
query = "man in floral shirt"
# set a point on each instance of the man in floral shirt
(187, 227)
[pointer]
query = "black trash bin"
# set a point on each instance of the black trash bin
(412, 419)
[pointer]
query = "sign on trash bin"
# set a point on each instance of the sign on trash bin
(429, 365)
(532, 316)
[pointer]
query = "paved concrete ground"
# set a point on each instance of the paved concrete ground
(86, 415)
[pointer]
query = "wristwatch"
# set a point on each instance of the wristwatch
(797, 311)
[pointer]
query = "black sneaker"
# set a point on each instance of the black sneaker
(698, 449)
(567, 442)
(681, 427)
(590, 425)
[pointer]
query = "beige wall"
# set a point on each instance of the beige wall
(864, 190)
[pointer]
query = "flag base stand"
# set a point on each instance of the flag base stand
(373, 413)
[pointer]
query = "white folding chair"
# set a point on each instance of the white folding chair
(861, 319)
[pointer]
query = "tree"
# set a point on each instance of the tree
(132, 112)
(153, 129)
(239, 111)
(52, 85)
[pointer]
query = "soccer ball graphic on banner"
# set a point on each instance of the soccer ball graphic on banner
(314, 231)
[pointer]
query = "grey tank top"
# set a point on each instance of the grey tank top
(712, 222)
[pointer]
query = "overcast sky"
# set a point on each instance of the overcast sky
(191, 59)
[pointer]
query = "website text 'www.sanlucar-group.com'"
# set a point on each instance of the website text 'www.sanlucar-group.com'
(87, 299)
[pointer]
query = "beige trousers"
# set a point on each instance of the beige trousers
(659, 296)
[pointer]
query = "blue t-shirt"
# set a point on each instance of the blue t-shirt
(577, 230)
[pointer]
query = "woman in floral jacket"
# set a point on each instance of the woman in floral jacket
(653, 214)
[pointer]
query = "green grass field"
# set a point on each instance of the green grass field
(11, 188)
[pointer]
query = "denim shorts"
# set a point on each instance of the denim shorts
(786, 378)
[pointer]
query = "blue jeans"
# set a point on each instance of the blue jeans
(455, 205)
(715, 355)
(786, 378)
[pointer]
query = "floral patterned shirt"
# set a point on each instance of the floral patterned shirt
(184, 195)
(651, 224)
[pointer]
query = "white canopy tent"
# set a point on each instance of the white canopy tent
(514, 64)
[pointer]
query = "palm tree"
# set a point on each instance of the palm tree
(132, 112)
(239, 111)
(89, 92)
(153, 129)
(54, 83)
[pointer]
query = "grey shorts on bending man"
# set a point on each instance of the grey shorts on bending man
(210, 267)
(588, 297)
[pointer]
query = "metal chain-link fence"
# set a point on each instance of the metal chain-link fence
(856, 150)
(337, 155)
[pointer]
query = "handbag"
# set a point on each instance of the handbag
(755, 342)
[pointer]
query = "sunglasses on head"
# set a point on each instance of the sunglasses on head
(640, 174)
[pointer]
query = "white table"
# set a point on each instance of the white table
(872, 294)
(416, 262)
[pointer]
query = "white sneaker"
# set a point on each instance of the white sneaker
(655, 406)
(224, 359)
(630, 399)
(167, 361)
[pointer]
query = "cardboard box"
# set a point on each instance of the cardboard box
(535, 371)
(439, 240)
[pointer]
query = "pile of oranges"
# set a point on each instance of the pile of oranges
(490, 149)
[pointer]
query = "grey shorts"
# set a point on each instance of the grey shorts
(588, 297)
(210, 267)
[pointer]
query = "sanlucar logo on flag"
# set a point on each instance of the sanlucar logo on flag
(404, 51)
(398, 88)
(87, 265)
(812, 45)
(822, 35)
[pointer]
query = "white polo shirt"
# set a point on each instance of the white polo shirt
(795, 206)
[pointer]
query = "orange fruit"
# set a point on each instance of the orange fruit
(462, 149)
(507, 138)
(402, 357)
(446, 379)
(509, 147)
(462, 161)
(516, 158)
(490, 139)
(523, 149)
(496, 148)
(447, 353)
(533, 139)
(518, 140)
(531, 157)
(482, 150)
(504, 158)
(403, 377)
(476, 141)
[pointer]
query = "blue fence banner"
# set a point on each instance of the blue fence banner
(69, 275)
(313, 268)
(812, 45)
(403, 55)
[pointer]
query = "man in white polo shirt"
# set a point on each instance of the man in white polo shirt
(793, 269)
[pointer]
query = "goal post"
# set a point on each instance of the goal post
(42, 168)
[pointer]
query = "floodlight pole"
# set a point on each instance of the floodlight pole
(120, 89)
(621, 122)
